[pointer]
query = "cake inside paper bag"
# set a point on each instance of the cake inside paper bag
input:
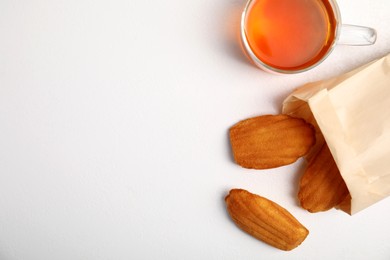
(351, 116)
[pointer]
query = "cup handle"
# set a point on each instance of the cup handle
(356, 35)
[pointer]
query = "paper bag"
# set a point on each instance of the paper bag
(351, 113)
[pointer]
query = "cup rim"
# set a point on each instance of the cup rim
(272, 69)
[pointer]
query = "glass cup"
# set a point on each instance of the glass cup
(293, 36)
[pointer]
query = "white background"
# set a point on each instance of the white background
(113, 133)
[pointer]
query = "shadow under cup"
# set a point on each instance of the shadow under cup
(289, 36)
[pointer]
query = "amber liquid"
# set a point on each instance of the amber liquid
(290, 34)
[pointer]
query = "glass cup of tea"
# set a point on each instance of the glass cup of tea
(292, 36)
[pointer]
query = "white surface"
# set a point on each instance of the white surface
(113, 133)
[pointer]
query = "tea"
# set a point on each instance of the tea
(290, 34)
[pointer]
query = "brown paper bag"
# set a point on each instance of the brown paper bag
(351, 113)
